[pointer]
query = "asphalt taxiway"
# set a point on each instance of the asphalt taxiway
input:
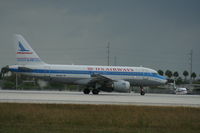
(65, 97)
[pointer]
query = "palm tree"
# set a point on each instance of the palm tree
(168, 73)
(185, 74)
(160, 72)
(4, 70)
(193, 75)
(175, 74)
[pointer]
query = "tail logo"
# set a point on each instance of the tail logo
(23, 50)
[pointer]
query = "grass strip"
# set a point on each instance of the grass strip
(68, 118)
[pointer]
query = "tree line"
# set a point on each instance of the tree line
(177, 76)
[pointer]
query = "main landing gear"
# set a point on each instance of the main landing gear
(86, 91)
(142, 92)
(94, 91)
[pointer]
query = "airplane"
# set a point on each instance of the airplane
(93, 78)
(180, 90)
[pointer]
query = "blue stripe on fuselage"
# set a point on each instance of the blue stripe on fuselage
(147, 74)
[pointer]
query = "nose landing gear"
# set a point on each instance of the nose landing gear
(142, 92)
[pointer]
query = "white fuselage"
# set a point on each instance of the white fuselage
(81, 74)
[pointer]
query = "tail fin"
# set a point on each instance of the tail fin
(24, 53)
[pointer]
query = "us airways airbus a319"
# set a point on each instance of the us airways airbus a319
(94, 78)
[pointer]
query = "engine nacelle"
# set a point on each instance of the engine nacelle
(121, 86)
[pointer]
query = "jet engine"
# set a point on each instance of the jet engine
(121, 86)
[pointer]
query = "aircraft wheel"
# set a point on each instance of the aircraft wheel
(142, 93)
(86, 91)
(95, 91)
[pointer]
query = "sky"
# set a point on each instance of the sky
(158, 34)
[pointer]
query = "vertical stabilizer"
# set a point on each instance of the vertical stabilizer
(24, 53)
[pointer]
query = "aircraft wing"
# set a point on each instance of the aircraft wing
(104, 83)
(98, 78)
(25, 69)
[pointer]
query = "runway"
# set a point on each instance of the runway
(65, 97)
